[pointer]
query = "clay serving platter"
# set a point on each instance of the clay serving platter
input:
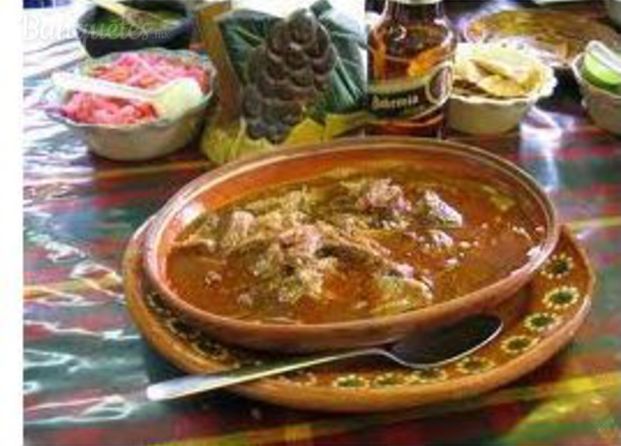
(556, 37)
(539, 320)
(236, 180)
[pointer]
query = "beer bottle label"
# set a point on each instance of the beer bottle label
(410, 97)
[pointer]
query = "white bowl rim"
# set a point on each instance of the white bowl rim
(576, 69)
(545, 90)
(204, 60)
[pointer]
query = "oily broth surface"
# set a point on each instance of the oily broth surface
(495, 239)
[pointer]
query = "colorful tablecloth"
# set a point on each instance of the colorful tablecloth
(85, 365)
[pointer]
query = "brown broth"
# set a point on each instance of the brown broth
(489, 245)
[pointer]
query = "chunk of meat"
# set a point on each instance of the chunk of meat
(356, 245)
(434, 241)
(236, 228)
(269, 265)
(212, 278)
(430, 209)
(293, 247)
(318, 240)
(278, 221)
(245, 299)
(293, 264)
(382, 195)
(203, 236)
(265, 229)
(306, 280)
(400, 294)
(401, 270)
(439, 239)
(296, 200)
(207, 225)
(301, 241)
(348, 222)
(289, 268)
(356, 240)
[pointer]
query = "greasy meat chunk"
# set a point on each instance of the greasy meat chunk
(357, 246)
(277, 221)
(433, 241)
(306, 280)
(212, 278)
(301, 241)
(384, 196)
(400, 294)
(269, 264)
(293, 264)
(292, 248)
(207, 226)
(349, 222)
(289, 267)
(295, 201)
(267, 227)
(203, 238)
(439, 240)
(353, 240)
(236, 229)
(430, 209)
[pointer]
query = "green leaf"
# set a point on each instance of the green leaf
(347, 85)
(319, 7)
(242, 30)
(224, 144)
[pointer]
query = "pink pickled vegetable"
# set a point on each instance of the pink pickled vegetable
(141, 70)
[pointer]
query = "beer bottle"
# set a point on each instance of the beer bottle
(410, 68)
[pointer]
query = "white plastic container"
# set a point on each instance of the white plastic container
(483, 115)
(603, 106)
(144, 141)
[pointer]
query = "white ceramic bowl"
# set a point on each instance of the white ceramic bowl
(481, 115)
(140, 141)
(603, 106)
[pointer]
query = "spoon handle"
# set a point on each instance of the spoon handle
(192, 384)
(85, 84)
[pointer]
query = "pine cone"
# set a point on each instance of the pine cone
(285, 74)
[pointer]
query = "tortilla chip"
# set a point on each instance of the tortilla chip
(499, 70)
(502, 87)
(469, 71)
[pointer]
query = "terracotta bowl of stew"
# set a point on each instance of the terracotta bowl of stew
(346, 244)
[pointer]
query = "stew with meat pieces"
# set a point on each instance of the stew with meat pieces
(351, 246)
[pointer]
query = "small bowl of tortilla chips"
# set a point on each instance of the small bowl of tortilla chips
(495, 86)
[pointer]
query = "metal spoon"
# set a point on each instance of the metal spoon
(417, 351)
